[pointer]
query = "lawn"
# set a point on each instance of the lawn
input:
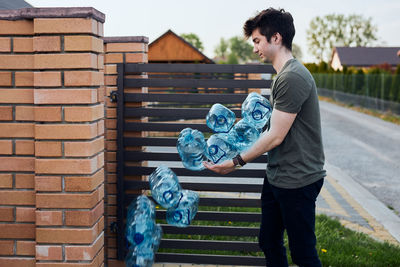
(336, 245)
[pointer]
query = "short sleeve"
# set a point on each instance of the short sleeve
(290, 92)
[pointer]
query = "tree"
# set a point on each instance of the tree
(296, 51)
(222, 48)
(235, 50)
(333, 30)
(242, 49)
(193, 39)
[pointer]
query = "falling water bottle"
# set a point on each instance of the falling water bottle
(165, 187)
(219, 148)
(141, 204)
(185, 210)
(157, 234)
(191, 146)
(256, 109)
(134, 258)
(138, 227)
(220, 119)
(243, 135)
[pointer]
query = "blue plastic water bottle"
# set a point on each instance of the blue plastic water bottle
(185, 211)
(138, 227)
(243, 135)
(219, 148)
(134, 258)
(191, 146)
(143, 204)
(165, 187)
(157, 235)
(220, 119)
(256, 109)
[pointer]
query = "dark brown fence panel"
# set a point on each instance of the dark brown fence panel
(226, 226)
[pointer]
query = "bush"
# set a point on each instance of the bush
(378, 81)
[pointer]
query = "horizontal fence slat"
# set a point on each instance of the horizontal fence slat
(180, 113)
(246, 173)
(189, 75)
(244, 246)
(165, 142)
(163, 156)
(210, 259)
(196, 83)
(150, 141)
(211, 230)
(214, 202)
(223, 187)
(220, 216)
(199, 68)
(166, 156)
(164, 127)
(139, 156)
(187, 98)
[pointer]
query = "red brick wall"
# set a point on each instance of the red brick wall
(58, 136)
(17, 144)
(117, 50)
(51, 137)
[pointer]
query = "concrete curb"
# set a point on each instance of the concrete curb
(369, 202)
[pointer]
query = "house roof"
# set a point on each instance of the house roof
(367, 56)
(171, 47)
(14, 4)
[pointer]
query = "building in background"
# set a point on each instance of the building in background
(171, 48)
(364, 57)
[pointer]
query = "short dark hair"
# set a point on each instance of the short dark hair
(271, 21)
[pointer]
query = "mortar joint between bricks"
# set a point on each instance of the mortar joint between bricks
(62, 43)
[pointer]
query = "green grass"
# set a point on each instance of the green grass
(340, 246)
(336, 245)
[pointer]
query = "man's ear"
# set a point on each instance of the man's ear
(277, 38)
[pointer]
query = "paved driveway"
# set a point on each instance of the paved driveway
(365, 148)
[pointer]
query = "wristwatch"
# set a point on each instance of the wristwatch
(238, 162)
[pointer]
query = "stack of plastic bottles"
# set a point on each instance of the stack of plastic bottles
(229, 138)
(142, 233)
(181, 204)
(191, 145)
(257, 110)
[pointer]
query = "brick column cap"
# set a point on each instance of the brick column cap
(52, 12)
(126, 39)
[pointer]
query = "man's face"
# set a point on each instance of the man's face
(265, 50)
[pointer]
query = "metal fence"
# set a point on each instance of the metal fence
(226, 226)
(381, 86)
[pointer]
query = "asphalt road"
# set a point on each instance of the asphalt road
(365, 148)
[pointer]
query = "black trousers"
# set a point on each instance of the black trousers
(293, 210)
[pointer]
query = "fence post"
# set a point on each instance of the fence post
(17, 152)
(54, 73)
(131, 49)
(69, 142)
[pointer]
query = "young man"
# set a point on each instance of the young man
(295, 173)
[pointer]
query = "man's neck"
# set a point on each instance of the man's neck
(281, 58)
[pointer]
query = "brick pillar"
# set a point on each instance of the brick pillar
(17, 159)
(51, 137)
(69, 136)
(117, 50)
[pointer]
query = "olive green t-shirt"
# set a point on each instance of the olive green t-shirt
(299, 160)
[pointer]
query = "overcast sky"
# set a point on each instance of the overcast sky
(213, 19)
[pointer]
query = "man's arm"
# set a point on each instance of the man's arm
(280, 126)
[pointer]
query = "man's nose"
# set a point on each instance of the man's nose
(255, 50)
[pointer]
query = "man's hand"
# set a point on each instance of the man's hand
(223, 168)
